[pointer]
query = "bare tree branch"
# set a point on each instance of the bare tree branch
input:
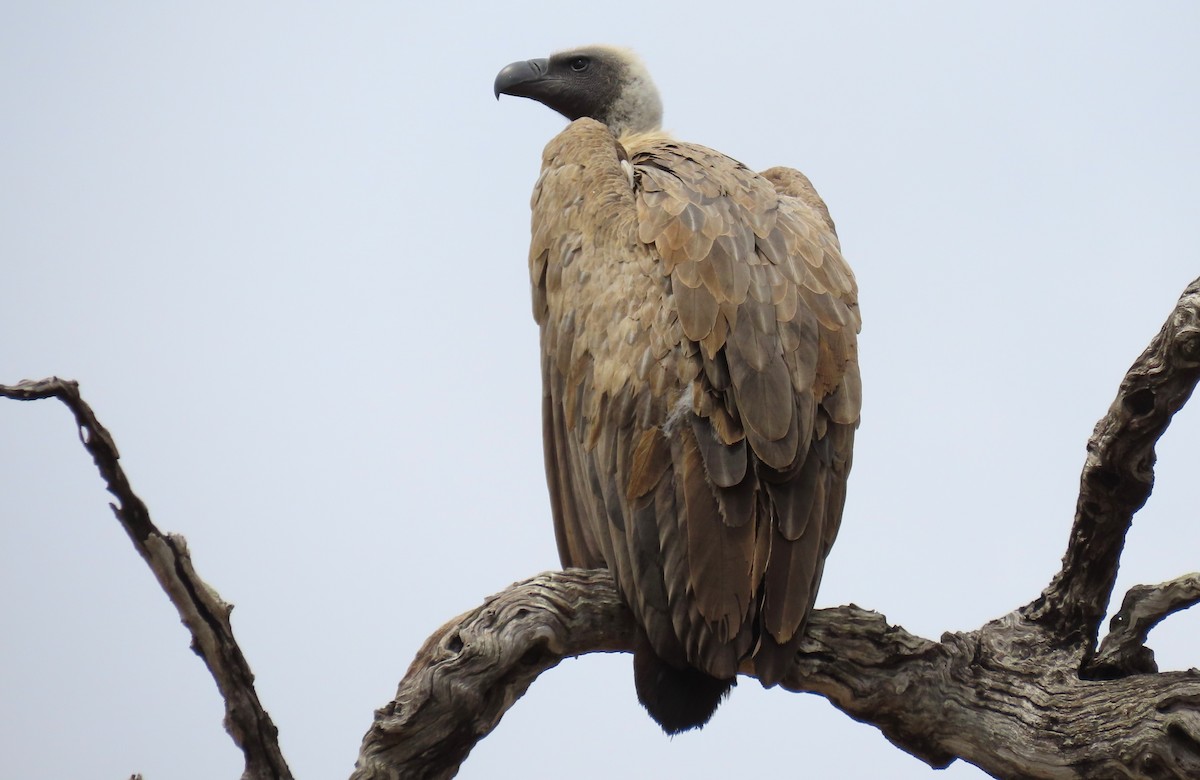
(474, 668)
(199, 606)
(1004, 697)
(1124, 650)
(1118, 475)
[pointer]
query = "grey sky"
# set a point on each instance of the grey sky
(282, 247)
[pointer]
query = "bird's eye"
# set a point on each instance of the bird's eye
(580, 64)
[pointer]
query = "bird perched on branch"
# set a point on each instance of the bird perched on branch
(700, 379)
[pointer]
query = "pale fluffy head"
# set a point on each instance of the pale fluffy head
(607, 83)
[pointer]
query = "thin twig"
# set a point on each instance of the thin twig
(202, 610)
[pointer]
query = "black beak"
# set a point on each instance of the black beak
(520, 78)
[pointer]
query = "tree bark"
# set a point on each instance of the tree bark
(1007, 697)
(1033, 694)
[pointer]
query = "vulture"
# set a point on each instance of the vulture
(700, 380)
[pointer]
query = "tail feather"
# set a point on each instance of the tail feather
(678, 699)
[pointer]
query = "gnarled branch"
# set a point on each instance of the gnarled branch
(1124, 650)
(1004, 697)
(1118, 474)
(467, 675)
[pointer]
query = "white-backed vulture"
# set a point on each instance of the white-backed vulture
(700, 379)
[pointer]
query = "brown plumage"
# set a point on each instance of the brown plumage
(700, 379)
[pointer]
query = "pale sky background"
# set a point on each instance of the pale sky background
(282, 247)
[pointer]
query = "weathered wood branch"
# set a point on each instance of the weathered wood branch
(1118, 475)
(1006, 698)
(201, 609)
(1124, 650)
(1003, 697)
(468, 674)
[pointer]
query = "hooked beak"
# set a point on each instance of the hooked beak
(522, 79)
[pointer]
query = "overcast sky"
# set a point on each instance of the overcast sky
(282, 247)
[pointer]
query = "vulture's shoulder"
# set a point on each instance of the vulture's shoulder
(791, 182)
(756, 275)
(759, 283)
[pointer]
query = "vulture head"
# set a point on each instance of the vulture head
(604, 83)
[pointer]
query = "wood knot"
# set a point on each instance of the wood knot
(1187, 344)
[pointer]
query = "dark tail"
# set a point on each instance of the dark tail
(677, 699)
